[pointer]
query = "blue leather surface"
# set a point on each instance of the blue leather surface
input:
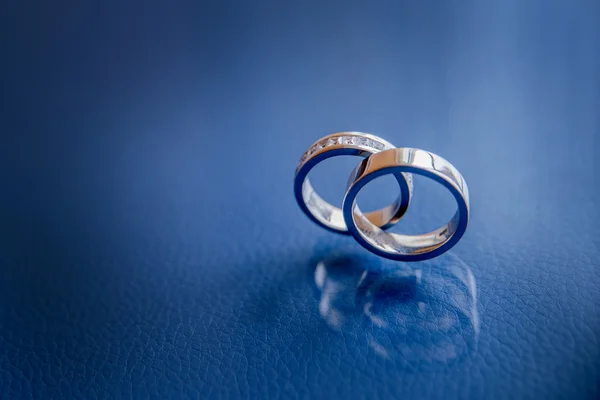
(151, 245)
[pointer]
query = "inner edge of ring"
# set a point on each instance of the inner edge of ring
(333, 216)
(401, 243)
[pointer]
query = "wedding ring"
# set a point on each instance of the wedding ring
(406, 247)
(346, 143)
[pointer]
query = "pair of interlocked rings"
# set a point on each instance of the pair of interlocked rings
(382, 158)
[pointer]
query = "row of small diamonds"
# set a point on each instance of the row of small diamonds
(349, 140)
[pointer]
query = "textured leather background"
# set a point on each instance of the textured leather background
(150, 243)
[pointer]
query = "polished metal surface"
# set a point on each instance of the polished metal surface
(406, 247)
(346, 143)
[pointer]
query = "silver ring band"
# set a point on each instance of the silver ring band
(346, 143)
(406, 247)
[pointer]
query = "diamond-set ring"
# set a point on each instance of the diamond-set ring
(382, 158)
(346, 143)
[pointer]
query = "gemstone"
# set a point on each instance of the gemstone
(347, 140)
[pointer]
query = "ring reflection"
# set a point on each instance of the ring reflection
(419, 313)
